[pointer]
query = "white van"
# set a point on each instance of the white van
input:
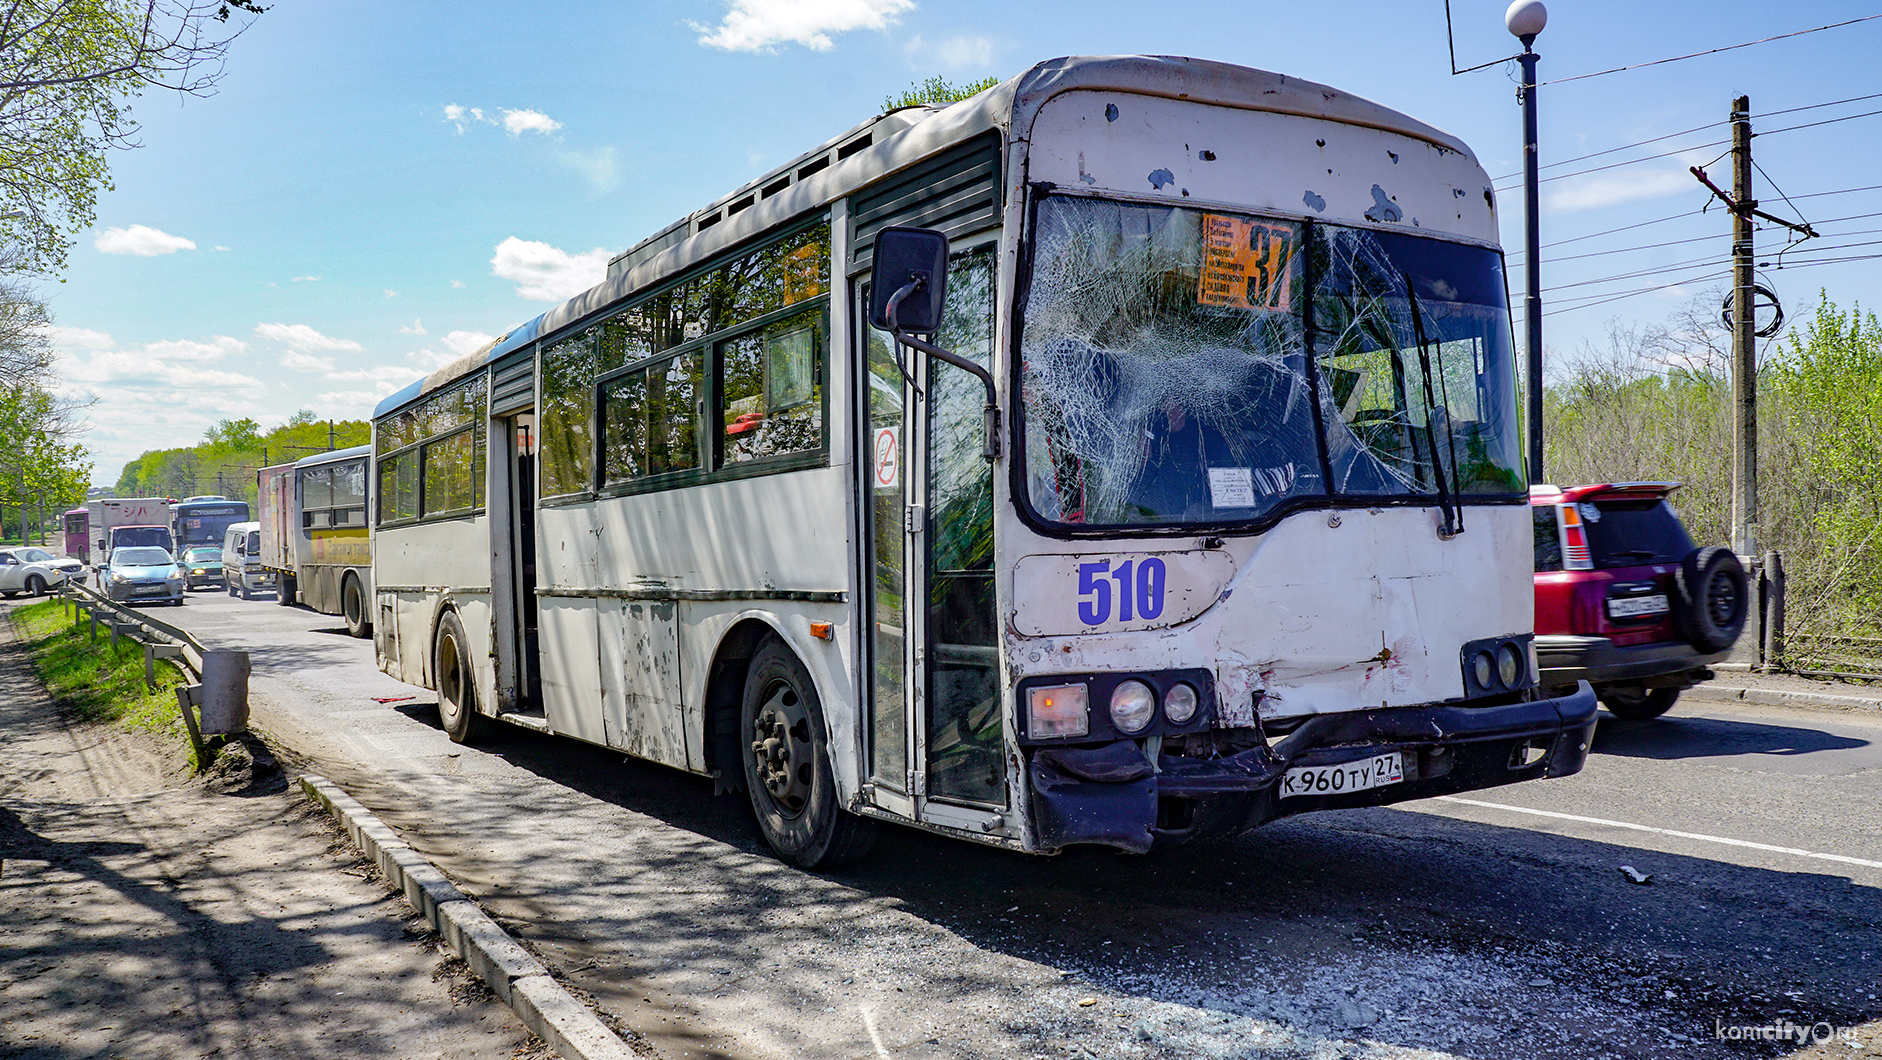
(241, 560)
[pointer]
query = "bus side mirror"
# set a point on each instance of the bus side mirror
(911, 280)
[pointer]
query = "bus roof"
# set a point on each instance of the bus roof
(317, 459)
(894, 141)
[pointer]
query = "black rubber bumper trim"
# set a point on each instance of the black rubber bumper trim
(1566, 660)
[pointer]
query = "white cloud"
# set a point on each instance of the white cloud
(515, 121)
(457, 284)
(306, 362)
(543, 273)
(416, 327)
(395, 374)
(141, 240)
(390, 293)
(1612, 189)
(762, 25)
(596, 167)
(305, 279)
(518, 122)
(218, 246)
(65, 338)
(304, 339)
(954, 53)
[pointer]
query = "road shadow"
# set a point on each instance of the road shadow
(1672, 737)
(1381, 897)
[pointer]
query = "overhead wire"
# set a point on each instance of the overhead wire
(1712, 51)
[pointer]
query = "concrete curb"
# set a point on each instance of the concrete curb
(569, 1026)
(1771, 697)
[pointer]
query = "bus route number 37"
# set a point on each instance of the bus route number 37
(1133, 589)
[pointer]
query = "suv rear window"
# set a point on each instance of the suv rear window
(1631, 533)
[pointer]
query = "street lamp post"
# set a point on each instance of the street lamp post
(1525, 19)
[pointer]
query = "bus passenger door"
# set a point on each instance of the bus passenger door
(937, 738)
(519, 581)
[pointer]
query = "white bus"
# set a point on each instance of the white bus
(1245, 534)
(315, 538)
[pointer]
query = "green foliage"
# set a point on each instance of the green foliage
(68, 72)
(40, 467)
(1656, 405)
(937, 90)
(94, 681)
(230, 453)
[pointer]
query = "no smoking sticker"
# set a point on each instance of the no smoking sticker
(888, 458)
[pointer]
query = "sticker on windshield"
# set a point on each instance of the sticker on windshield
(1231, 487)
(1246, 264)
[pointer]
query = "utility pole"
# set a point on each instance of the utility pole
(1524, 21)
(1744, 342)
(1744, 330)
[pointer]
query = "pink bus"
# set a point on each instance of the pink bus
(77, 522)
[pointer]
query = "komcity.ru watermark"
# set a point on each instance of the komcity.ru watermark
(1786, 1031)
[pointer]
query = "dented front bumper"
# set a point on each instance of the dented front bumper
(1113, 795)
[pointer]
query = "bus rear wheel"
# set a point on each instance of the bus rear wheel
(787, 765)
(353, 607)
(457, 683)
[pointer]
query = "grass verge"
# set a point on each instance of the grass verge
(92, 680)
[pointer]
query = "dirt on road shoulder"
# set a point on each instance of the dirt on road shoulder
(152, 914)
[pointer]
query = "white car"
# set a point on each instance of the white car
(35, 571)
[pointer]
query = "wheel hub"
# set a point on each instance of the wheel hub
(781, 751)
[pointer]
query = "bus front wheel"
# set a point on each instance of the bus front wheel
(353, 608)
(787, 765)
(457, 683)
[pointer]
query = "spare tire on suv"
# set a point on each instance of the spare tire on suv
(1714, 598)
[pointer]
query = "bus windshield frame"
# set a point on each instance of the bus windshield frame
(1185, 367)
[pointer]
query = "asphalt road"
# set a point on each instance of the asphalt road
(1498, 925)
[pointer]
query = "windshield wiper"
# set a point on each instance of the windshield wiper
(1447, 503)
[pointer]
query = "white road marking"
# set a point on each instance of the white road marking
(869, 1024)
(1840, 858)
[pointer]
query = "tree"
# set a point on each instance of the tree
(68, 72)
(937, 90)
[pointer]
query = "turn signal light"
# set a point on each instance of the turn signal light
(1061, 710)
(823, 630)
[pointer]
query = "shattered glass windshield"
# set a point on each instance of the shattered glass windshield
(1166, 376)
(1411, 341)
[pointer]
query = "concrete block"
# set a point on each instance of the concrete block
(498, 959)
(225, 692)
(569, 1027)
(425, 887)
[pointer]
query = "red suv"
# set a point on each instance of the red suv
(1624, 600)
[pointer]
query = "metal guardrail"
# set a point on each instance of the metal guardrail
(214, 702)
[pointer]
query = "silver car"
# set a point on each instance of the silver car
(142, 574)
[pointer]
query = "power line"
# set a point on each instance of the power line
(1818, 106)
(1617, 165)
(1842, 191)
(1612, 150)
(1682, 281)
(1711, 259)
(1712, 51)
(1814, 124)
(1624, 228)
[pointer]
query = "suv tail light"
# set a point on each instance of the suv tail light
(1575, 554)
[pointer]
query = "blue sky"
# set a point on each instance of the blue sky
(376, 188)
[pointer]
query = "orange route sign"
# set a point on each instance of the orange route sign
(1247, 264)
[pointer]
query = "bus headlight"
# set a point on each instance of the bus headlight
(1133, 704)
(1509, 665)
(1180, 705)
(1483, 668)
(1060, 710)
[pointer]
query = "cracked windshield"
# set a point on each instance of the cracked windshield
(1166, 376)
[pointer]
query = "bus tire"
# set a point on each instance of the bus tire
(457, 683)
(353, 607)
(285, 589)
(787, 765)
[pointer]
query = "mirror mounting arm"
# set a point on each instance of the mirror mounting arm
(990, 446)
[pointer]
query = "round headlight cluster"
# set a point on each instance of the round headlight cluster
(1133, 704)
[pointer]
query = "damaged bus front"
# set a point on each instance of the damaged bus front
(1268, 550)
